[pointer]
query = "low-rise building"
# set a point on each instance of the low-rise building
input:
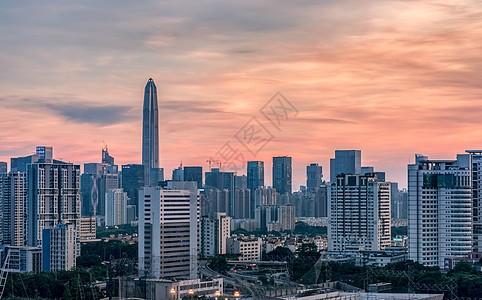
(248, 247)
(88, 229)
(23, 259)
(175, 290)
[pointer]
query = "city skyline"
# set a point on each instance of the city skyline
(389, 79)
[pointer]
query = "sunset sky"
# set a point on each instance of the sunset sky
(392, 78)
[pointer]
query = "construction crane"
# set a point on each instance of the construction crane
(4, 274)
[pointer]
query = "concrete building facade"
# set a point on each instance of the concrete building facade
(358, 214)
(168, 232)
(439, 209)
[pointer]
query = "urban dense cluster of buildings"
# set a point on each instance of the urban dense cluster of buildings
(47, 206)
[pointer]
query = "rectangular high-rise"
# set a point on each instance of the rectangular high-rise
(345, 162)
(242, 204)
(439, 210)
(255, 179)
(132, 181)
(53, 197)
(215, 230)
(314, 175)
(358, 214)
(194, 174)
(60, 247)
(13, 209)
(222, 181)
(282, 174)
(150, 135)
(169, 231)
(3, 167)
(255, 174)
(214, 200)
(476, 160)
(89, 189)
(115, 207)
(264, 196)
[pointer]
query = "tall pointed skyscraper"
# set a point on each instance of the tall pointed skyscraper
(150, 135)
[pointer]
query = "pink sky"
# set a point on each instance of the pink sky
(392, 78)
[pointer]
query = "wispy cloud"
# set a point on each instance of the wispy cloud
(389, 77)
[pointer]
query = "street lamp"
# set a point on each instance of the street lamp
(173, 292)
(191, 293)
(216, 294)
(236, 294)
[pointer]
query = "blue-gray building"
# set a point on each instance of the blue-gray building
(194, 174)
(314, 175)
(345, 162)
(132, 181)
(282, 174)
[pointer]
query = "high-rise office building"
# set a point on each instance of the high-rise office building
(178, 174)
(89, 189)
(255, 179)
(311, 203)
(439, 210)
(242, 204)
(132, 181)
(94, 169)
(109, 167)
(371, 170)
(131, 214)
(214, 200)
(476, 160)
(53, 197)
(115, 207)
(282, 174)
(150, 135)
(240, 181)
(46, 153)
(264, 196)
(106, 183)
(107, 159)
(359, 214)
(264, 215)
(13, 209)
(286, 216)
(398, 202)
(60, 247)
(367, 170)
(168, 231)
(215, 230)
(345, 162)
(194, 174)
(19, 164)
(3, 167)
(314, 175)
(255, 175)
(222, 181)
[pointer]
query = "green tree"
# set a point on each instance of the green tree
(67, 295)
(219, 264)
(88, 260)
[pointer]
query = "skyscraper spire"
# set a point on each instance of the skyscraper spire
(150, 135)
